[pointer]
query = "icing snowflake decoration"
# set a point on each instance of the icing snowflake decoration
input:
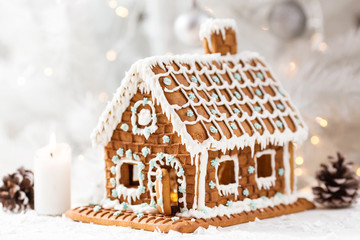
(144, 118)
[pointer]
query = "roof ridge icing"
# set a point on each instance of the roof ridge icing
(142, 76)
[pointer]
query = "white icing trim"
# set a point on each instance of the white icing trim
(287, 169)
(231, 188)
(146, 131)
(211, 26)
(202, 178)
(156, 163)
(115, 204)
(294, 164)
(265, 182)
(131, 194)
(144, 117)
(160, 203)
(239, 206)
(141, 77)
(197, 159)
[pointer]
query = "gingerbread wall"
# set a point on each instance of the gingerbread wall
(212, 197)
(128, 140)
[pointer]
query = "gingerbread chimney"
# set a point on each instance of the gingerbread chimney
(219, 36)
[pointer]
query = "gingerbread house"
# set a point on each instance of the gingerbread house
(198, 140)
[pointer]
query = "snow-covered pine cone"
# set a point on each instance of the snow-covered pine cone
(338, 184)
(17, 192)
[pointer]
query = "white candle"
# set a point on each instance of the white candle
(52, 178)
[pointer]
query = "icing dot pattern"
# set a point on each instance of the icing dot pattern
(189, 113)
(166, 139)
(167, 81)
(124, 127)
(257, 126)
(237, 76)
(279, 124)
(215, 96)
(258, 92)
(260, 75)
(237, 95)
(280, 106)
(213, 129)
(245, 192)
(216, 79)
(194, 79)
(257, 108)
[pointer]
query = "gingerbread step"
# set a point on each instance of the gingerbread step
(158, 222)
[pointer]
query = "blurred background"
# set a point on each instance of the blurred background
(62, 60)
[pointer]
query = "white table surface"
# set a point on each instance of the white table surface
(314, 224)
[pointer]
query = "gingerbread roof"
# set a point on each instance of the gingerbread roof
(213, 101)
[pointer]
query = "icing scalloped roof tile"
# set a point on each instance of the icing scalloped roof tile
(205, 82)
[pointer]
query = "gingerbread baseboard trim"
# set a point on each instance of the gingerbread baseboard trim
(161, 223)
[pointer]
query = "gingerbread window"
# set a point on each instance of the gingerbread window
(226, 174)
(265, 169)
(129, 179)
(129, 175)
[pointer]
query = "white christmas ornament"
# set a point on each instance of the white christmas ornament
(187, 26)
(287, 20)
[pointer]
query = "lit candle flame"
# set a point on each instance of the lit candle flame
(52, 142)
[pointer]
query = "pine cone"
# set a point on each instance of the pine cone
(338, 184)
(17, 193)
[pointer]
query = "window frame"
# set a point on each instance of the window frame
(129, 193)
(231, 188)
(265, 182)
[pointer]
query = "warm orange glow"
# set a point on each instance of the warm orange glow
(298, 172)
(321, 121)
(173, 197)
(323, 46)
(315, 140)
(122, 11)
(299, 160)
(209, 10)
(358, 171)
(103, 97)
(292, 66)
(112, 3)
(111, 55)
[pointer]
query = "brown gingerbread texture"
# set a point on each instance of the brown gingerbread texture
(221, 124)
(162, 223)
